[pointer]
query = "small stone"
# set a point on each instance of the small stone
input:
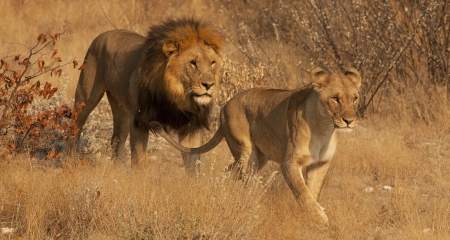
(7, 230)
(368, 189)
(388, 188)
(426, 230)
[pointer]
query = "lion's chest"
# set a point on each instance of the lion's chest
(323, 147)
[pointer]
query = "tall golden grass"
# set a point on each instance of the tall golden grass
(389, 178)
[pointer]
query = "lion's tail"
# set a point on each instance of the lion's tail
(215, 140)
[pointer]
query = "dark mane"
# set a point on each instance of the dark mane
(155, 104)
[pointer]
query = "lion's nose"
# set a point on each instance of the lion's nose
(348, 121)
(207, 85)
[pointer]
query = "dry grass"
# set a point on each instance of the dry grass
(403, 144)
(98, 200)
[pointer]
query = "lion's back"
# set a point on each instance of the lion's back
(113, 57)
(117, 47)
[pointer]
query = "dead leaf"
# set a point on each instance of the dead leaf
(55, 51)
(51, 154)
(81, 67)
(75, 63)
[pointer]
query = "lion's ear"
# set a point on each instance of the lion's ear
(354, 75)
(169, 48)
(319, 77)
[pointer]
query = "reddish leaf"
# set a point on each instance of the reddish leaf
(75, 63)
(55, 51)
(13, 146)
(81, 67)
(44, 39)
(40, 36)
(16, 57)
(97, 195)
(25, 62)
(52, 93)
(51, 154)
(58, 59)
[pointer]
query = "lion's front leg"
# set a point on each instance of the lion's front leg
(315, 174)
(192, 161)
(138, 145)
(291, 167)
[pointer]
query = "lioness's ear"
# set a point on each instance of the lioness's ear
(169, 48)
(354, 75)
(319, 77)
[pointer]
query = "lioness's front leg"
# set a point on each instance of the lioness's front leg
(190, 161)
(315, 174)
(138, 145)
(291, 167)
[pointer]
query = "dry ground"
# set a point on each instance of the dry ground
(91, 198)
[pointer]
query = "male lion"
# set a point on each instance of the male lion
(296, 128)
(169, 76)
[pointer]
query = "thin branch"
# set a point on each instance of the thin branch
(106, 15)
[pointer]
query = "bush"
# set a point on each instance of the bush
(24, 127)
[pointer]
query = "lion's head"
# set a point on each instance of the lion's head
(339, 96)
(179, 74)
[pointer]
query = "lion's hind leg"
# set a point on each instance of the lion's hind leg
(121, 127)
(90, 90)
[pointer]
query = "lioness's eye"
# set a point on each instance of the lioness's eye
(335, 99)
(193, 63)
(355, 99)
(213, 62)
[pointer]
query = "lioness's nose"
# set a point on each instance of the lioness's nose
(348, 121)
(207, 85)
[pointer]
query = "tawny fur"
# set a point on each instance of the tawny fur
(296, 128)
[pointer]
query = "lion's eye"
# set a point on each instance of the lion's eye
(355, 99)
(212, 63)
(193, 63)
(335, 99)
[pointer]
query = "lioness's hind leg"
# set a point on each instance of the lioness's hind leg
(121, 127)
(245, 157)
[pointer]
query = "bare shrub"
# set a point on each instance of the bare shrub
(383, 40)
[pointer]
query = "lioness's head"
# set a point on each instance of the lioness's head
(338, 95)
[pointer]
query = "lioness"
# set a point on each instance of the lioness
(296, 128)
(169, 76)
